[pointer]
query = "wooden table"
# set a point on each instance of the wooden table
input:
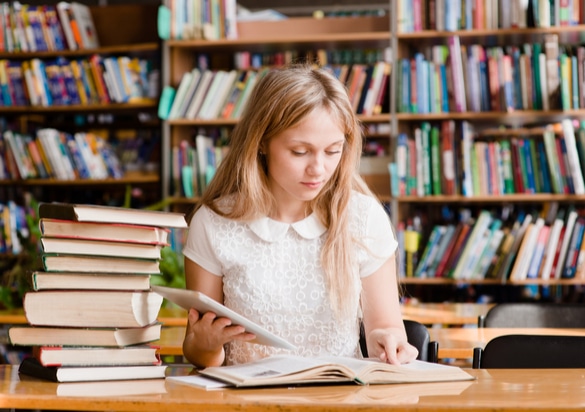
(458, 343)
(448, 314)
(502, 390)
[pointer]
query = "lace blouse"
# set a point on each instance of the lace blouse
(272, 275)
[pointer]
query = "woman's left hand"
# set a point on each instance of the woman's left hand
(390, 347)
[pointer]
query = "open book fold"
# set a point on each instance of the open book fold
(293, 370)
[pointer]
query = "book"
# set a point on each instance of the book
(100, 248)
(105, 264)
(188, 299)
(115, 232)
(27, 335)
(91, 309)
(84, 21)
(96, 356)
(88, 280)
(111, 214)
(31, 367)
(112, 388)
(291, 370)
(65, 14)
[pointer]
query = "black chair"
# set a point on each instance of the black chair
(531, 351)
(418, 336)
(534, 315)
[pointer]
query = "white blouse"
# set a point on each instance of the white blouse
(272, 275)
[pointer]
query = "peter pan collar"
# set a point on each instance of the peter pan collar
(271, 230)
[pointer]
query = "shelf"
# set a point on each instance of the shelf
(567, 34)
(442, 281)
(513, 198)
(131, 178)
(114, 107)
(119, 49)
(517, 117)
(380, 118)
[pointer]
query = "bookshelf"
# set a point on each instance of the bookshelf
(302, 36)
(490, 116)
(126, 30)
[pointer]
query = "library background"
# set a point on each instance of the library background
(473, 124)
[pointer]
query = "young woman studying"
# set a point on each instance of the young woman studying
(288, 234)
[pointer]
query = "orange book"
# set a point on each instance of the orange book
(97, 70)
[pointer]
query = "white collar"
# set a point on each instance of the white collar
(271, 230)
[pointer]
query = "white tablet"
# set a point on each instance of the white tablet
(190, 299)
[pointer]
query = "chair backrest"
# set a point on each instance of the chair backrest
(418, 336)
(531, 351)
(534, 315)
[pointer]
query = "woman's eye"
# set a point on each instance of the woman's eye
(297, 153)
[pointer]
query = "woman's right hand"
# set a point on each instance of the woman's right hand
(206, 336)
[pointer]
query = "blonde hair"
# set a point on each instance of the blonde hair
(281, 99)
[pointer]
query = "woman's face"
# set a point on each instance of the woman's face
(302, 159)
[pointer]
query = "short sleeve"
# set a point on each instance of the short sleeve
(379, 239)
(199, 245)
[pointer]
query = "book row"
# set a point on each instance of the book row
(439, 161)
(56, 154)
(452, 15)
(531, 245)
(246, 59)
(223, 94)
(194, 165)
(13, 227)
(475, 78)
(61, 81)
(201, 19)
(50, 27)
(444, 160)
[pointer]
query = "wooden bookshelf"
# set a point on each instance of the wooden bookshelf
(488, 125)
(123, 30)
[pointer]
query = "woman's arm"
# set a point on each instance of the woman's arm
(206, 334)
(384, 328)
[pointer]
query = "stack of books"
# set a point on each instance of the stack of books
(92, 313)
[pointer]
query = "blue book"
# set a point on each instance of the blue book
(544, 167)
(406, 86)
(444, 89)
(529, 167)
(575, 82)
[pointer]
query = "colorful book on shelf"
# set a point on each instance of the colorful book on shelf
(85, 25)
(89, 281)
(96, 356)
(31, 367)
(107, 336)
(91, 308)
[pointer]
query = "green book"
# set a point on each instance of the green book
(435, 161)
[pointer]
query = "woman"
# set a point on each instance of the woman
(289, 235)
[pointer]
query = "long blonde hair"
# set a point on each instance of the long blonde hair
(281, 99)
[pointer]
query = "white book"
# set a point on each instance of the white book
(190, 93)
(570, 225)
(64, 11)
(551, 247)
(179, 100)
(526, 251)
(84, 20)
(481, 224)
(200, 93)
(573, 157)
(212, 94)
(52, 152)
(222, 93)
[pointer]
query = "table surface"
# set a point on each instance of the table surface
(459, 342)
(502, 390)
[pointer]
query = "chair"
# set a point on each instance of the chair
(534, 315)
(418, 336)
(531, 351)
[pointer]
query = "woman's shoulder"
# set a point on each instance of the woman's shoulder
(363, 202)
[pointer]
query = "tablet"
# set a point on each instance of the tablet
(190, 299)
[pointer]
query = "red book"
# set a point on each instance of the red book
(517, 170)
(448, 151)
(440, 270)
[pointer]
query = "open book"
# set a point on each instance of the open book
(294, 370)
